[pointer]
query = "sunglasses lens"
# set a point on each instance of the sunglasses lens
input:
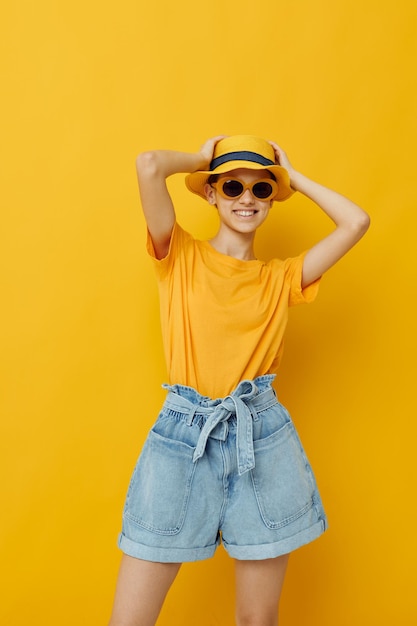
(232, 188)
(262, 190)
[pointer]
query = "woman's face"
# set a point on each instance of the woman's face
(247, 212)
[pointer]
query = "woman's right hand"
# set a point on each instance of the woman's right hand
(207, 149)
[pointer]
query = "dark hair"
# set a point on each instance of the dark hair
(213, 178)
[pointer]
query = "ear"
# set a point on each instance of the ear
(210, 194)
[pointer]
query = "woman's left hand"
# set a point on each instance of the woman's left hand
(281, 158)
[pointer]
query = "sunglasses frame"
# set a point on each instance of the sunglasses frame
(218, 185)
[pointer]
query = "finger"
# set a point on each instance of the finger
(217, 138)
(209, 144)
(277, 150)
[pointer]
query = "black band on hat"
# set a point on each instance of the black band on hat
(243, 155)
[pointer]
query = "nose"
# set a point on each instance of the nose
(247, 197)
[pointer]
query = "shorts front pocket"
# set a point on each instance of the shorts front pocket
(282, 479)
(160, 487)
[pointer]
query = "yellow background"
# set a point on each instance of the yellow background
(85, 87)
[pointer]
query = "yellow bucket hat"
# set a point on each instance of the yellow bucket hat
(242, 151)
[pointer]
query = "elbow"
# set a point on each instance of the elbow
(363, 223)
(359, 227)
(147, 164)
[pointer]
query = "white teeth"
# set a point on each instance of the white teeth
(245, 213)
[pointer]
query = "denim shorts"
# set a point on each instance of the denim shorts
(229, 470)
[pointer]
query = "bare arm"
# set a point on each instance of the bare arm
(153, 168)
(351, 222)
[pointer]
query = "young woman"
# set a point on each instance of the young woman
(223, 461)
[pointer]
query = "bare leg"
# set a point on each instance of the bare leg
(258, 591)
(140, 591)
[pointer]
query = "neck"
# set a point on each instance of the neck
(237, 245)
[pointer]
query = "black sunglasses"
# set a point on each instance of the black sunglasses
(264, 189)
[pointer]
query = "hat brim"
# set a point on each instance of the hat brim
(196, 181)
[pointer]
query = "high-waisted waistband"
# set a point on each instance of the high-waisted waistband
(245, 402)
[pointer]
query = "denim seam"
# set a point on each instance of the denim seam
(225, 482)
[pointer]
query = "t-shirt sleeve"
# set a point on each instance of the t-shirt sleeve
(163, 267)
(293, 276)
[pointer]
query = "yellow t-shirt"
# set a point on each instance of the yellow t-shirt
(223, 319)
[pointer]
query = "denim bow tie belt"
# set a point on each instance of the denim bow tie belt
(244, 402)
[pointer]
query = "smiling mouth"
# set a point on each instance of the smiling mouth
(243, 213)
